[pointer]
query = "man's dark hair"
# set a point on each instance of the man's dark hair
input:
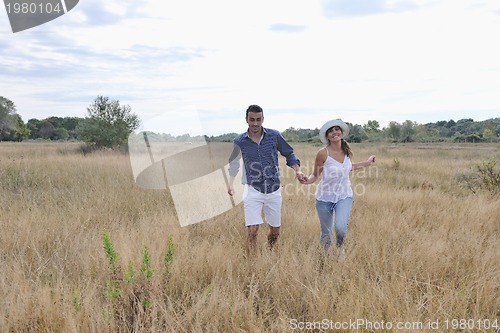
(254, 108)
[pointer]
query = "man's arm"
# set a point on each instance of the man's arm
(298, 174)
(234, 167)
(230, 186)
(291, 159)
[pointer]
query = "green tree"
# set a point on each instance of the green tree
(19, 131)
(56, 121)
(7, 120)
(372, 126)
(60, 133)
(70, 124)
(108, 124)
(373, 131)
(463, 126)
(394, 130)
(291, 134)
(488, 134)
(46, 130)
(408, 130)
(450, 123)
(356, 133)
(22, 131)
(424, 133)
(34, 127)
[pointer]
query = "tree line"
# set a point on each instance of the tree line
(108, 124)
(463, 130)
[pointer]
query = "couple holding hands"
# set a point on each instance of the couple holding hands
(259, 147)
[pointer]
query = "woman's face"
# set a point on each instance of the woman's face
(334, 134)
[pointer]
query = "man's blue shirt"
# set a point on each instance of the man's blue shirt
(261, 159)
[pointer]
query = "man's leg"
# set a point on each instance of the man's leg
(252, 203)
(252, 240)
(272, 212)
(274, 232)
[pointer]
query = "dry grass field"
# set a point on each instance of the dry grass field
(422, 250)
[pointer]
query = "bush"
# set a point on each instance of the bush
(485, 175)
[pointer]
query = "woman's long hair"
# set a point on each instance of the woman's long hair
(346, 148)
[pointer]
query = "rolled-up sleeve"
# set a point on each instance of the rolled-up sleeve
(287, 151)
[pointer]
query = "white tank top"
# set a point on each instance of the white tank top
(335, 184)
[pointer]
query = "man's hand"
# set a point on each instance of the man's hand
(300, 176)
(304, 181)
(230, 190)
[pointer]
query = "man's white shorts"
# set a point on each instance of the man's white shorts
(254, 202)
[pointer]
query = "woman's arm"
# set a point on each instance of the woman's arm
(319, 162)
(368, 162)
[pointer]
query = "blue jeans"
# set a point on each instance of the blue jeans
(325, 213)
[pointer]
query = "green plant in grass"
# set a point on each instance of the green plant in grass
(146, 270)
(77, 301)
(130, 294)
(109, 251)
(169, 254)
(130, 273)
(113, 290)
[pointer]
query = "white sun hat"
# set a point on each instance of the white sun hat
(329, 124)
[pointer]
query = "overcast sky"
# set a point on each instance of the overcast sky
(303, 61)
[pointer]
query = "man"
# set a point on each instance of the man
(259, 148)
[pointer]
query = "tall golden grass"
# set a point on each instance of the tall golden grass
(421, 248)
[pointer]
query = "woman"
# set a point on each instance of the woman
(334, 192)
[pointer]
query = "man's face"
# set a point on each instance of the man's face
(254, 121)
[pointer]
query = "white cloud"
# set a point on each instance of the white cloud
(424, 58)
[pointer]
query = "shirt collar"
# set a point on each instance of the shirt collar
(264, 131)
